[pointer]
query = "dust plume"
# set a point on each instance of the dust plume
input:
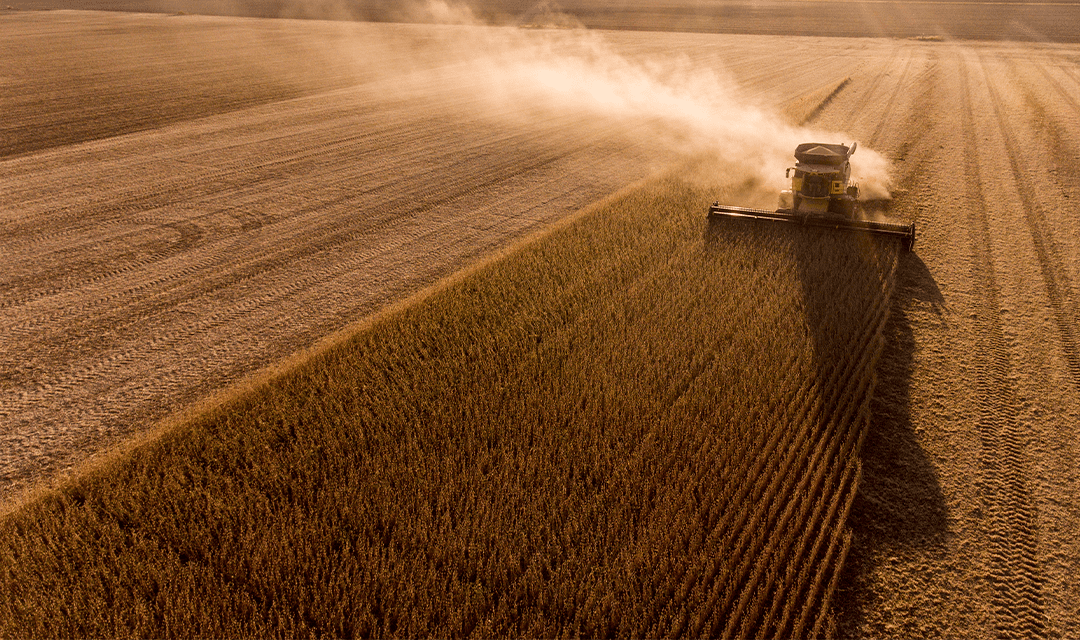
(670, 102)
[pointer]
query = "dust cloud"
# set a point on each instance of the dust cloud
(668, 102)
(541, 63)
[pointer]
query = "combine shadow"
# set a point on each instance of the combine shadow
(899, 510)
(899, 507)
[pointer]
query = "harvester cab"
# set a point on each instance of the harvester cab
(821, 196)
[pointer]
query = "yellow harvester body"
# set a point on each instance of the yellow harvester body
(821, 195)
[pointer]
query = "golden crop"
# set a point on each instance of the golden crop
(626, 427)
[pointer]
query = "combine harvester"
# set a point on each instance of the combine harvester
(821, 197)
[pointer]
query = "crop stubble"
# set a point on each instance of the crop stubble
(966, 486)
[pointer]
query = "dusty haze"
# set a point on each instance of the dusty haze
(664, 100)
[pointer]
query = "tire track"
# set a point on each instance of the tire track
(821, 106)
(1073, 74)
(859, 108)
(912, 179)
(1065, 170)
(760, 86)
(1060, 90)
(916, 123)
(152, 298)
(1015, 576)
(75, 216)
(339, 153)
(249, 262)
(136, 204)
(1054, 277)
(890, 104)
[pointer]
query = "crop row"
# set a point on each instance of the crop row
(625, 427)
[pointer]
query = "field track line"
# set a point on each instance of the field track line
(1054, 277)
(858, 107)
(316, 239)
(1072, 73)
(54, 222)
(1015, 576)
(915, 124)
(1065, 171)
(915, 173)
(1061, 91)
(143, 308)
(816, 111)
(759, 86)
(890, 104)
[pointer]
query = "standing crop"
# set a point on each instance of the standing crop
(626, 427)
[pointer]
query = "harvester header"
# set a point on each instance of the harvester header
(821, 196)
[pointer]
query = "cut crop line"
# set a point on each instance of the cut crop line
(810, 117)
(1015, 575)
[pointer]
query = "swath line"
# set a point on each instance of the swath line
(1057, 285)
(1015, 576)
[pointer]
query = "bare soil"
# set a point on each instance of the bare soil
(143, 270)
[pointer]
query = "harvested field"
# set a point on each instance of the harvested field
(213, 237)
(967, 488)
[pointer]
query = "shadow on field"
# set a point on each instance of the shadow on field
(899, 510)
